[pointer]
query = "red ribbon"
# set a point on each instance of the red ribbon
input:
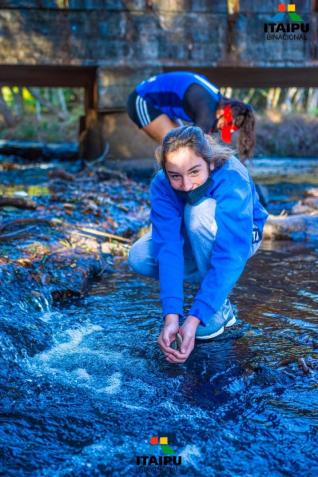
(229, 126)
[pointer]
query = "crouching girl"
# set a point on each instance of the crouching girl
(206, 223)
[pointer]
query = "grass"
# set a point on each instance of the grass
(293, 135)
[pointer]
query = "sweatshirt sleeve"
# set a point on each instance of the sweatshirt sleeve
(231, 247)
(205, 118)
(167, 241)
(203, 105)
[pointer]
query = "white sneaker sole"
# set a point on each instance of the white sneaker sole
(212, 335)
(219, 332)
(231, 322)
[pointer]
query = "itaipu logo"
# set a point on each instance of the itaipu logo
(168, 456)
(287, 24)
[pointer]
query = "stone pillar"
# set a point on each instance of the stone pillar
(111, 124)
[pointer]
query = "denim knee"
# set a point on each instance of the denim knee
(134, 258)
(201, 216)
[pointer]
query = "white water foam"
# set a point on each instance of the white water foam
(191, 455)
(76, 336)
(113, 386)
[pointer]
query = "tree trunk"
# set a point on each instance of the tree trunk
(312, 100)
(62, 101)
(47, 104)
(9, 119)
(18, 101)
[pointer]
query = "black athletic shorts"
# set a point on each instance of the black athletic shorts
(141, 111)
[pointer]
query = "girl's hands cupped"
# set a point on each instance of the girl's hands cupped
(168, 335)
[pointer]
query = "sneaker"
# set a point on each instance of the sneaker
(228, 314)
(223, 318)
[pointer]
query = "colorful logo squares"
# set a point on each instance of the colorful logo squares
(291, 7)
(159, 440)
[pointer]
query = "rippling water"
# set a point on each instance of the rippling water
(85, 385)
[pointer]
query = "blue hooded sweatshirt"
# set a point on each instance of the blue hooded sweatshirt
(238, 213)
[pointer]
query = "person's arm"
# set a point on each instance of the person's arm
(205, 116)
(231, 248)
(202, 105)
(166, 218)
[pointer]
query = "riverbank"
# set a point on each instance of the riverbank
(61, 226)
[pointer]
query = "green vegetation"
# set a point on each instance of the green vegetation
(283, 100)
(43, 114)
(287, 118)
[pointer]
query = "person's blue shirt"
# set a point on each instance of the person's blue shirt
(238, 212)
(167, 92)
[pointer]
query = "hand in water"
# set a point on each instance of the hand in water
(168, 334)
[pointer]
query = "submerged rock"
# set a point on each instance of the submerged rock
(177, 343)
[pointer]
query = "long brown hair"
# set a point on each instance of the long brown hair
(194, 138)
(244, 119)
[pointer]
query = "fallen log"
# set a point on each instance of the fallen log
(311, 202)
(19, 222)
(16, 235)
(303, 365)
(305, 206)
(313, 192)
(300, 208)
(105, 174)
(31, 150)
(286, 361)
(290, 227)
(8, 166)
(98, 233)
(61, 174)
(17, 202)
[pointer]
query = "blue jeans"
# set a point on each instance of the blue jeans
(199, 234)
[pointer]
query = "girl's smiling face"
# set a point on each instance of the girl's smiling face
(186, 171)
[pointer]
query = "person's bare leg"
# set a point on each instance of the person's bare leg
(159, 127)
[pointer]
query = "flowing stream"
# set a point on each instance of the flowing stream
(84, 386)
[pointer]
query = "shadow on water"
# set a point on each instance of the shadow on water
(87, 400)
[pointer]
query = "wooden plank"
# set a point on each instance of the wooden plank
(245, 77)
(40, 75)
(52, 76)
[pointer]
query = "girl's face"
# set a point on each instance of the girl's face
(186, 171)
